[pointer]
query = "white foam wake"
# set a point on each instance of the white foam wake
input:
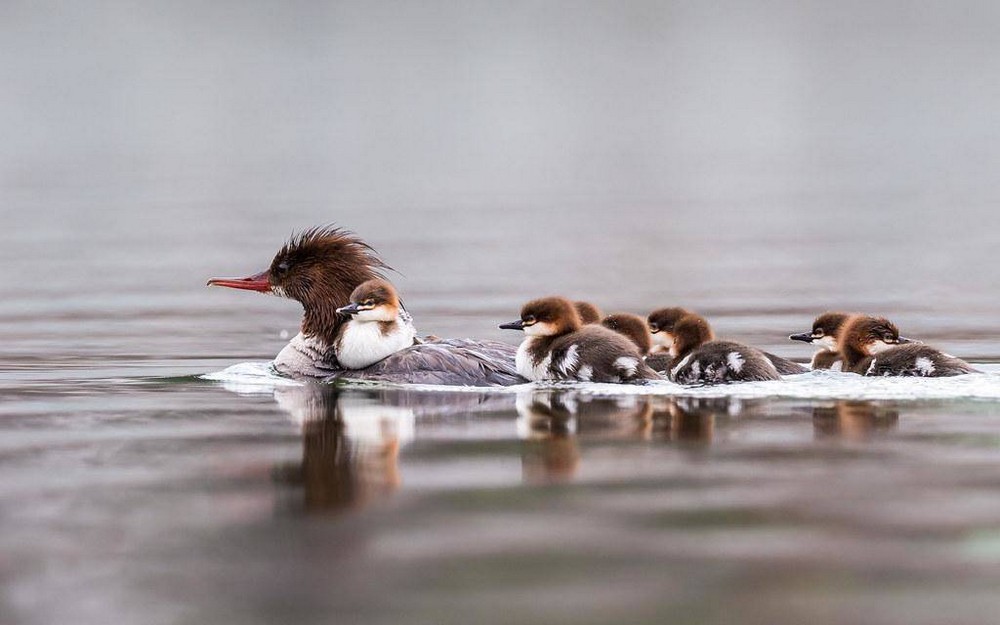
(260, 378)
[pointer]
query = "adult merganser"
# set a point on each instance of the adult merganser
(698, 359)
(825, 335)
(560, 347)
(320, 268)
(872, 346)
(662, 323)
(378, 328)
(588, 312)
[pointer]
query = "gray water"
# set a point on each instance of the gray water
(758, 164)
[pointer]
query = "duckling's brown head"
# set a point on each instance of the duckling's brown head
(689, 332)
(373, 300)
(661, 325)
(825, 333)
(866, 335)
(547, 316)
(588, 312)
(631, 326)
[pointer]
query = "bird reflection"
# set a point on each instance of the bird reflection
(351, 438)
(350, 445)
(553, 423)
(853, 420)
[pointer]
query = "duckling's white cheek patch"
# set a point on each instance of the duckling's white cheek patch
(877, 347)
(827, 342)
(663, 339)
(379, 313)
(539, 329)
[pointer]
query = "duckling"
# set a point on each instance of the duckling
(378, 326)
(661, 327)
(662, 324)
(698, 359)
(826, 336)
(588, 312)
(872, 346)
(559, 347)
(631, 327)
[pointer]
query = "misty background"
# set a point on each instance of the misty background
(760, 162)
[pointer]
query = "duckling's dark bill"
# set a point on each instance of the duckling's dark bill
(350, 309)
(805, 337)
(259, 282)
(513, 325)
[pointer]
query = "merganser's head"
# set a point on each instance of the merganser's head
(661, 325)
(588, 312)
(319, 268)
(825, 332)
(632, 327)
(548, 316)
(864, 335)
(690, 331)
(373, 300)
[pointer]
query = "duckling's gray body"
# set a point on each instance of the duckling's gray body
(591, 354)
(722, 362)
(913, 360)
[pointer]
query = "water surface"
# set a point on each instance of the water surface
(759, 166)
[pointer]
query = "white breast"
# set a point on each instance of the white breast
(526, 364)
(362, 343)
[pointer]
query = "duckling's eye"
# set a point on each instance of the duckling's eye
(888, 338)
(529, 319)
(368, 302)
(818, 332)
(654, 328)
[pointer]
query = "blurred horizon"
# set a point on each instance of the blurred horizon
(780, 158)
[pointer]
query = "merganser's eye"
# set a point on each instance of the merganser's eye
(368, 302)
(282, 267)
(528, 320)
(818, 333)
(654, 328)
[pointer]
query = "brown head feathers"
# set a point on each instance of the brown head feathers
(690, 331)
(588, 312)
(552, 316)
(376, 292)
(864, 335)
(320, 268)
(632, 327)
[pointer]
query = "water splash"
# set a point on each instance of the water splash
(260, 377)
